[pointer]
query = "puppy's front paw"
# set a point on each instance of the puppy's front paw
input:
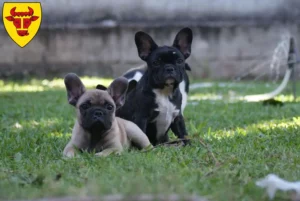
(107, 152)
(186, 141)
(100, 154)
(70, 154)
(148, 148)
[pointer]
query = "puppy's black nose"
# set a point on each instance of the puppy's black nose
(169, 69)
(98, 113)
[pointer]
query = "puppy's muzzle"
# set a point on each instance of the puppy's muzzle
(169, 75)
(169, 70)
(98, 115)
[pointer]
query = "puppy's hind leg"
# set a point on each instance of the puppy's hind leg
(109, 151)
(137, 136)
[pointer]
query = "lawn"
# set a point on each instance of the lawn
(234, 144)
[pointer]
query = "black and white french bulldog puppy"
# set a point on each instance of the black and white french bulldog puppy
(155, 103)
(134, 75)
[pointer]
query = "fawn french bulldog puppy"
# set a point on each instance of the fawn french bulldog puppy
(96, 127)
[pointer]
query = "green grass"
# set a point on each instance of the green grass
(249, 140)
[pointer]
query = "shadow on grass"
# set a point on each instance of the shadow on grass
(249, 139)
(32, 162)
(210, 116)
(207, 116)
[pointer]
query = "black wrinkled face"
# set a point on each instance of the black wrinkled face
(166, 67)
(96, 115)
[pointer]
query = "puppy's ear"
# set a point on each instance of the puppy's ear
(101, 87)
(183, 41)
(145, 44)
(187, 67)
(117, 90)
(132, 84)
(74, 87)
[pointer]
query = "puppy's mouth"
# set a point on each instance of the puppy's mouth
(170, 82)
(98, 128)
(98, 124)
(93, 124)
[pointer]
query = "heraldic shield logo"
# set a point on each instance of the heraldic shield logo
(22, 20)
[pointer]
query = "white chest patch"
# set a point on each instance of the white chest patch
(167, 113)
(184, 95)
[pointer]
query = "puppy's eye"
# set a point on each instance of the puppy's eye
(85, 106)
(179, 61)
(156, 63)
(109, 107)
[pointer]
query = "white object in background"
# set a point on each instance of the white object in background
(273, 183)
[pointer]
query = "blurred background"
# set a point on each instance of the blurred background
(96, 37)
